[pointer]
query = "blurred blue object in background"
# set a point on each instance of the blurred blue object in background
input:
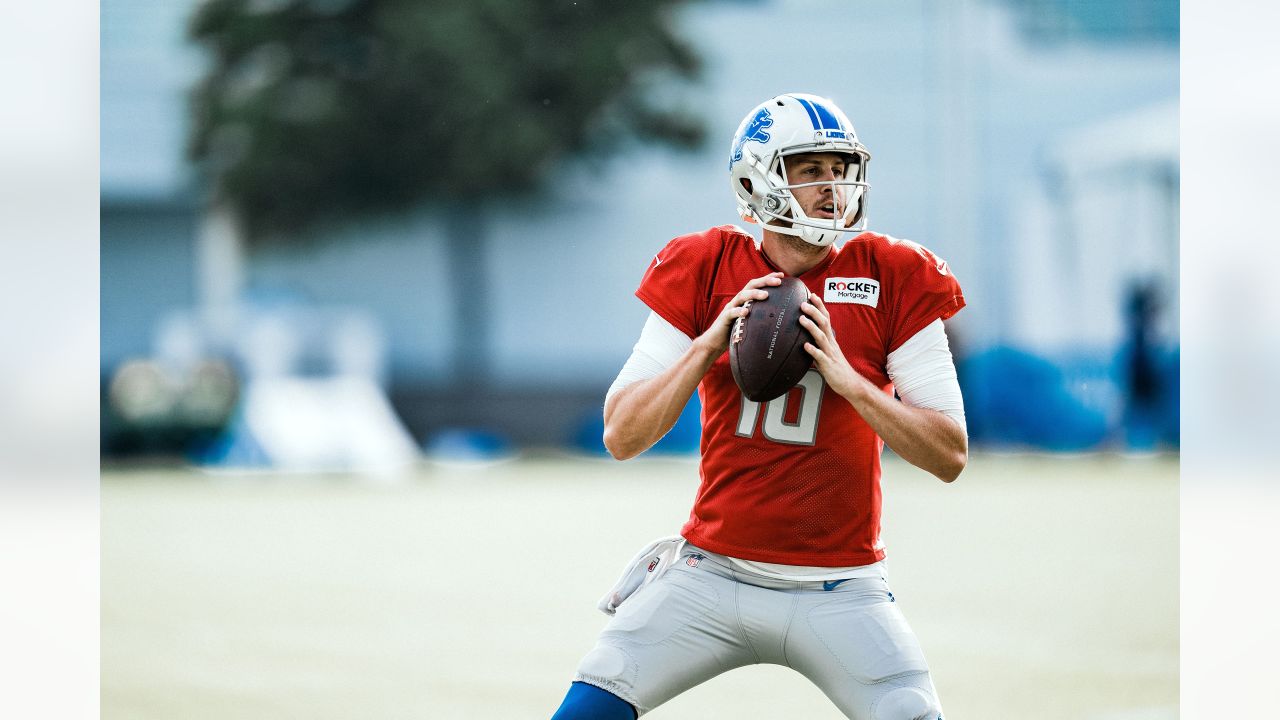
(234, 448)
(1015, 397)
(1151, 420)
(468, 445)
(683, 439)
(1069, 403)
(1171, 411)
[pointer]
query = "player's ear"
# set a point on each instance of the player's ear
(746, 185)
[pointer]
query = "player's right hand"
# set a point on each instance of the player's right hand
(716, 338)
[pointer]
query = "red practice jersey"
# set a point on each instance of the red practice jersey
(796, 480)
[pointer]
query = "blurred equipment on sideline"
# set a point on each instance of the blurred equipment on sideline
(288, 388)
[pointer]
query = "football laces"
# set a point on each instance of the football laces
(739, 325)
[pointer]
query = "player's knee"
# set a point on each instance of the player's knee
(906, 703)
(588, 702)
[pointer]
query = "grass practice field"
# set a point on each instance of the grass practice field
(1040, 587)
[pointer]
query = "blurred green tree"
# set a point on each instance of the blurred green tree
(315, 111)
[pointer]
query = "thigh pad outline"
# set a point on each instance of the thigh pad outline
(663, 608)
(871, 642)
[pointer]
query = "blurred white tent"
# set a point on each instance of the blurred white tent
(1104, 219)
(312, 397)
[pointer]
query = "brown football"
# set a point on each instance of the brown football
(766, 348)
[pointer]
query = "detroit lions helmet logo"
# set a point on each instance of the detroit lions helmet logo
(755, 131)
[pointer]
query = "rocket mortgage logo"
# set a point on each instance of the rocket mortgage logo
(862, 291)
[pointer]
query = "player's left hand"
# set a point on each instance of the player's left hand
(828, 358)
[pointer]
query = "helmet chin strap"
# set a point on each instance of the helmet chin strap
(821, 238)
(812, 235)
(802, 227)
(806, 232)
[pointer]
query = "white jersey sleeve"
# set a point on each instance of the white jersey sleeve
(660, 345)
(922, 369)
(924, 374)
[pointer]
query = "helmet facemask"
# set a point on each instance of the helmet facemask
(784, 213)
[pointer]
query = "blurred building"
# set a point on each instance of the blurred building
(1032, 144)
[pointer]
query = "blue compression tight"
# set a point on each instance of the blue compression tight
(588, 702)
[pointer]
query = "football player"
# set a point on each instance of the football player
(781, 559)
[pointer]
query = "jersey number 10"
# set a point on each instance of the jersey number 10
(804, 431)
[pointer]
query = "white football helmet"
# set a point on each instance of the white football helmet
(787, 125)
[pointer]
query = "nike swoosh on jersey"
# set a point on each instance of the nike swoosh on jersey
(831, 584)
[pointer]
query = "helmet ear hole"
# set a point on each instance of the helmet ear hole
(746, 185)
